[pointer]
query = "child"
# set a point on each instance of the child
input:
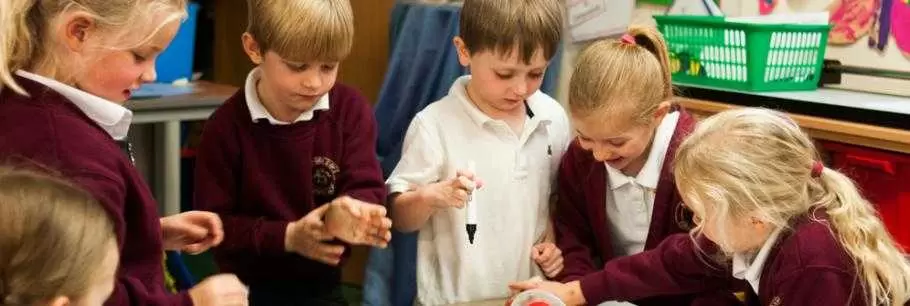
(66, 68)
(274, 156)
(616, 191)
(57, 244)
(799, 233)
(497, 119)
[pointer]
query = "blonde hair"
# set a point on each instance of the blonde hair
(26, 26)
(500, 25)
(53, 238)
(302, 30)
(757, 162)
(616, 76)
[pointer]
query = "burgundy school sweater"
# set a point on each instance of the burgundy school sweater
(580, 217)
(259, 177)
(46, 129)
(807, 266)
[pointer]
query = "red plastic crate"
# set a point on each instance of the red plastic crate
(884, 178)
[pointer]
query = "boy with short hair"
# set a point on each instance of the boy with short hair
(497, 119)
(288, 161)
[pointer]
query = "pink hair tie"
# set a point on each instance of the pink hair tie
(817, 169)
(628, 39)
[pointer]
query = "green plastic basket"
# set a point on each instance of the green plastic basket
(714, 52)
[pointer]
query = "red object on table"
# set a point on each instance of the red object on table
(884, 178)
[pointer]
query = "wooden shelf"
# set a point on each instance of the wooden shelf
(822, 128)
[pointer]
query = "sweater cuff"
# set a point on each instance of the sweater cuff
(273, 235)
(594, 289)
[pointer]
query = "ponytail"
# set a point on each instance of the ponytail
(650, 39)
(882, 268)
(17, 40)
(630, 75)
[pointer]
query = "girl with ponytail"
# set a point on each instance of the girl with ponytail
(616, 191)
(798, 232)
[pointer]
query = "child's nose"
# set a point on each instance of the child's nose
(603, 155)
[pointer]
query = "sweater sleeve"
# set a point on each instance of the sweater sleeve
(574, 235)
(216, 190)
(676, 266)
(132, 286)
(361, 177)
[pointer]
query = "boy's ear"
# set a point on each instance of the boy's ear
(464, 56)
(251, 47)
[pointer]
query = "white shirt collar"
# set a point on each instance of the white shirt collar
(110, 116)
(459, 90)
(749, 267)
(258, 111)
(650, 172)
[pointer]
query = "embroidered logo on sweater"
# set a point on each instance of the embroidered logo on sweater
(776, 301)
(325, 172)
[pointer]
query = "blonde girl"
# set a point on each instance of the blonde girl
(57, 244)
(797, 232)
(616, 188)
(66, 68)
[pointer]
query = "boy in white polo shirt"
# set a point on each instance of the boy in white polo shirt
(497, 119)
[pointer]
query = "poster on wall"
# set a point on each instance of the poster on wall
(864, 33)
(593, 19)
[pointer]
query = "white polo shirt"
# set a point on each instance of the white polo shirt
(258, 111)
(630, 200)
(112, 117)
(512, 209)
(748, 267)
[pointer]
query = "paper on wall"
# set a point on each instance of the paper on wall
(593, 19)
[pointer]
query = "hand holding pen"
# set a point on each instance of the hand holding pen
(453, 192)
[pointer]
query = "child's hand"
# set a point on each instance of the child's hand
(452, 192)
(308, 237)
(570, 293)
(548, 257)
(358, 222)
(222, 289)
(192, 232)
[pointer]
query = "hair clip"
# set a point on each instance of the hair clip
(627, 39)
(817, 168)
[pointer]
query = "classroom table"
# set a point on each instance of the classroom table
(166, 114)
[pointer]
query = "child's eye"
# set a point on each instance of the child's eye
(328, 68)
(617, 143)
(297, 68)
(138, 58)
(504, 76)
(536, 75)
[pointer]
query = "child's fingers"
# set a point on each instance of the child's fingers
(465, 173)
(329, 252)
(525, 285)
(465, 183)
(459, 197)
(552, 263)
(547, 251)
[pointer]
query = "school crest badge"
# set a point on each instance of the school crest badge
(325, 173)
